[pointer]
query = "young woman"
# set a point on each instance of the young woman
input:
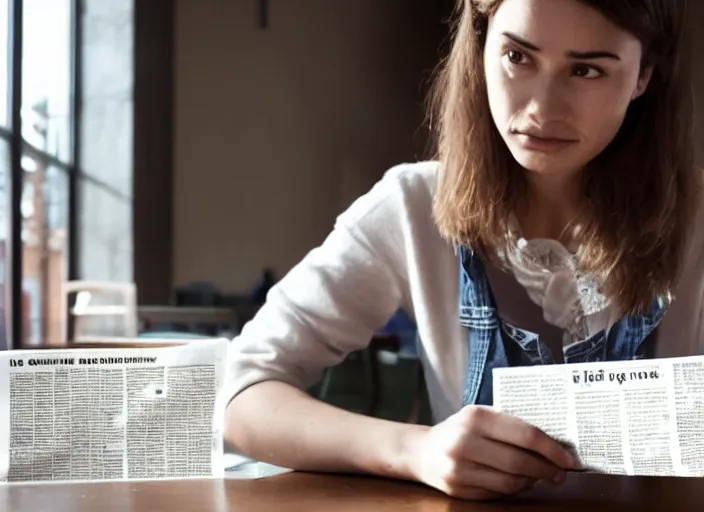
(557, 226)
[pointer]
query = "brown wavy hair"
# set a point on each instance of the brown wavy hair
(639, 191)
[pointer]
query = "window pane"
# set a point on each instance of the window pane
(44, 209)
(46, 76)
(4, 221)
(105, 246)
(104, 209)
(4, 62)
(105, 233)
(107, 82)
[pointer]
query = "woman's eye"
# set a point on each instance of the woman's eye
(587, 72)
(515, 57)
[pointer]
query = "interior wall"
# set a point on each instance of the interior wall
(278, 129)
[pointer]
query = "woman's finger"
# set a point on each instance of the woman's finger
(516, 461)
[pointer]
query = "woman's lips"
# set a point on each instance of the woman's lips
(537, 143)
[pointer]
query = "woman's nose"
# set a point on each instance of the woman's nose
(550, 100)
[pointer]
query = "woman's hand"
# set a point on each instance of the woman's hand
(480, 453)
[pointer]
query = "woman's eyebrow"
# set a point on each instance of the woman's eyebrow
(521, 42)
(599, 54)
(573, 54)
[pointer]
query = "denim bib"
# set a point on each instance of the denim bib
(496, 344)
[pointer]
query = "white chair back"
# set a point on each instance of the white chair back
(88, 304)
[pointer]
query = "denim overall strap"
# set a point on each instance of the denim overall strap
(626, 337)
(478, 314)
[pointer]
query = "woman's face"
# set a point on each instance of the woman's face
(560, 77)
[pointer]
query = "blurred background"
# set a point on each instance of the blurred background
(195, 148)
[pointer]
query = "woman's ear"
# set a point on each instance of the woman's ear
(643, 81)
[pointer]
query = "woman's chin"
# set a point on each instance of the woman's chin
(545, 164)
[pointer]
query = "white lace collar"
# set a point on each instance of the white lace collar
(549, 273)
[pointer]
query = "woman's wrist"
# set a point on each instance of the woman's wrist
(400, 450)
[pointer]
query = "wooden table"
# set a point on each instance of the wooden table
(317, 493)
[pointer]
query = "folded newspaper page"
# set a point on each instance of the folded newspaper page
(642, 417)
(112, 414)
(239, 467)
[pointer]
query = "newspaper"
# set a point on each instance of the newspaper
(240, 467)
(112, 414)
(642, 417)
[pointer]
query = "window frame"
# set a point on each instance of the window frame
(14, 312)
(152, 125)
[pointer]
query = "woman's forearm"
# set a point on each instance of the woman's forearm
(277, 423)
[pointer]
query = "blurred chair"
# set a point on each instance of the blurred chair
(83, 300)
(396, 340)
(199, 294)
(243, 309)
(371, 357)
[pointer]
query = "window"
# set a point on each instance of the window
(60, 173)
(45, 164)
(5, 166)
(4, 62)
(4, 223)
(46, 76)
(105, 182)
(44, 209)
